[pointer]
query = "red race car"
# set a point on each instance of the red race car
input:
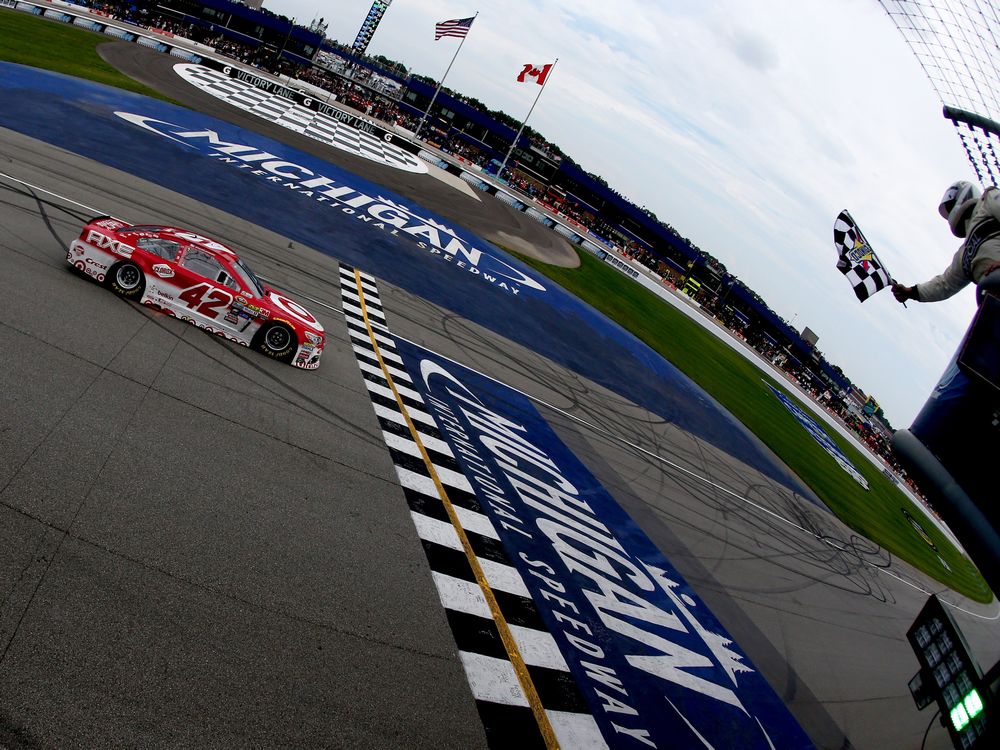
(198, 280)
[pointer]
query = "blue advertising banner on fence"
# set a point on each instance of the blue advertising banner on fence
(654, 664)
(820, 436)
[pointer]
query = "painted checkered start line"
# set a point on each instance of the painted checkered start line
(573, 629)
(299, 119)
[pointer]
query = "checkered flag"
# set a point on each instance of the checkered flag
(857, 261)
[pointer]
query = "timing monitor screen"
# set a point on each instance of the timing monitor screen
(980, 355)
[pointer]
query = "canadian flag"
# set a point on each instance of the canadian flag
(538, 72)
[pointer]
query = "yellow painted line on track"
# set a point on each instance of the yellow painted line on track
(516, 660)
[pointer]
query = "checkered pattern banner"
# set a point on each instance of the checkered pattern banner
(298, 118)
(856, 259)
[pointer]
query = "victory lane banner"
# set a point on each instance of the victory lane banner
(310, 101)
(652, 663)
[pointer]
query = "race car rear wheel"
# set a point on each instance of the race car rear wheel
(127, 280)
(275, 340)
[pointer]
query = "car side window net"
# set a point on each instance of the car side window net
(225, 278)
(199, 262)
(246, 276)
(166, 249)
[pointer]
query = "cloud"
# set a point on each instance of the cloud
(747, 127)
(754, 50)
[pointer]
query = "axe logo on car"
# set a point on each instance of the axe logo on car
(379, 213)
(201, 281)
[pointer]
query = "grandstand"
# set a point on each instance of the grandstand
(273, 37)
(538, 169)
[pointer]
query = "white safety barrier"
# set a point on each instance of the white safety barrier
(145, 41)
(512, 200)
(535, 214)
(185, 55)
(567, 233)
(119, 33)
(473, 180)
(592, 247)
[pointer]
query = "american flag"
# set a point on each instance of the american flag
(458, 27)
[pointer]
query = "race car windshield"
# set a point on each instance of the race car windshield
(247, 277)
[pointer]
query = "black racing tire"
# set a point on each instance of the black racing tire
(126, 280)
(276, 340)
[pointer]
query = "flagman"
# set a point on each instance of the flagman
(957, 423)
(974, 219)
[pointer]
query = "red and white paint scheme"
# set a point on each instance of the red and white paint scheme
(198, 280)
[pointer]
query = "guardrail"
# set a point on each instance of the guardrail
(571, 230)
(95, 21)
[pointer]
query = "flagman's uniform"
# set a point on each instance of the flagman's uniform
(979, 254)
(958, 423)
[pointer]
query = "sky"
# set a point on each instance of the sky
(747, 125)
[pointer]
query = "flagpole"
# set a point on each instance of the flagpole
(521, 129)
(865, 240)
(438, 89)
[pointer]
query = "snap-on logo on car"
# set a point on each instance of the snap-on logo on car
(163, 270)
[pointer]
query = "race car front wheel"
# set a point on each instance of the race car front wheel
(126, 279)
(275, 340)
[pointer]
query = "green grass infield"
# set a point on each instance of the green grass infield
(45, 43)
(727, 376)
(877, 513)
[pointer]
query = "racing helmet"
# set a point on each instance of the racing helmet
(954, 199)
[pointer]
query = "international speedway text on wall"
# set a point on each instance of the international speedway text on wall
(573, 628)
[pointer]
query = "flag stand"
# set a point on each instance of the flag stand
(438, 89)
(521, 129)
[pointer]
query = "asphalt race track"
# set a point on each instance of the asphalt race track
(202, 547)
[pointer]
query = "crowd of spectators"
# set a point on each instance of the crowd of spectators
(358, 97)
(457, 146)
(345, 89)
(128, 12)
(360, 74)
(375, 96)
